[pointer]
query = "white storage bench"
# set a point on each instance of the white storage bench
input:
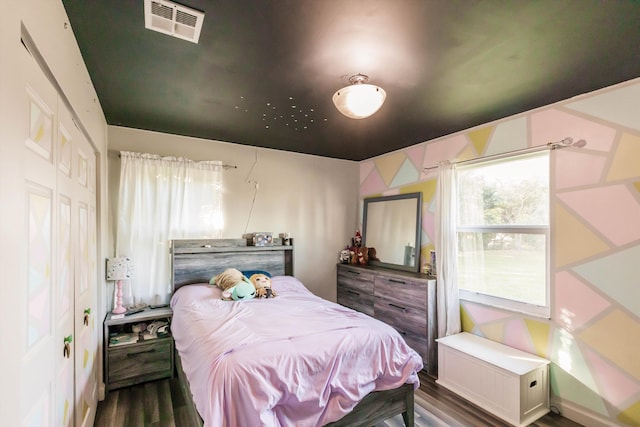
(509, 383)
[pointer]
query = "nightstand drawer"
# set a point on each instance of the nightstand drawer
(131, 364)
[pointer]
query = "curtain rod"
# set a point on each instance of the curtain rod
(566, 142)
(224, 166)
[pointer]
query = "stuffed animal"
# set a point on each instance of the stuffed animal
(373, 255)
(345, 256)
(234, 285)
(262, 284)
(243, 291)
(228, 278)
(363, 255)
(357, 239)
(359, 255)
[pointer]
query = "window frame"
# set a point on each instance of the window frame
(543, 311)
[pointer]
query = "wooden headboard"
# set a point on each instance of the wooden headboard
(198, 260)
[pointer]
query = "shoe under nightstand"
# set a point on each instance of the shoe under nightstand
(135, 352)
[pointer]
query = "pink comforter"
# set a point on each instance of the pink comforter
(293, 360)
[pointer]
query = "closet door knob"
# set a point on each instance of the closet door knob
(66, 351)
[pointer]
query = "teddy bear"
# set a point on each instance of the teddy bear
(262, 283)
(359, 255)
(227, 278)
(373, 255)
(234, 285)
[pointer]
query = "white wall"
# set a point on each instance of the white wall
(313, 198)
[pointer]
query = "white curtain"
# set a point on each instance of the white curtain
(163, 198)
(448, 303)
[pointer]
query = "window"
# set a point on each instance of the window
(503, 233)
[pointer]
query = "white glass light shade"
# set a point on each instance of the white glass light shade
(359, 100)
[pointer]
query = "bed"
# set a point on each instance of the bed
(295, 359)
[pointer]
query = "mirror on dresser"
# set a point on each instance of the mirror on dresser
(392, 225)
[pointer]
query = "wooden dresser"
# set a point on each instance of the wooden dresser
(404, 300)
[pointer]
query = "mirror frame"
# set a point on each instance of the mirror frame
(418, 228)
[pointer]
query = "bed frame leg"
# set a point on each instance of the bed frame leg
(409, 415)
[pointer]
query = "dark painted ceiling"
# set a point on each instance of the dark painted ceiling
(264, 72)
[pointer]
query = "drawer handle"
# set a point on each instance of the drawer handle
(357, 273)
(398, 307)
(402, 282)
(353, 292)
(141, 352)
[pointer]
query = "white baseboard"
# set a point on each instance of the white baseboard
(579, 415)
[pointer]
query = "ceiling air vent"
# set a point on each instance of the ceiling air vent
(173, 19)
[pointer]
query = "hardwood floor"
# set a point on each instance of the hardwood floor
(156, 403)
(459, 412)
(160, 403)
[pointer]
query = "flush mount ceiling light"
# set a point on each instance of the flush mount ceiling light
(359, 100)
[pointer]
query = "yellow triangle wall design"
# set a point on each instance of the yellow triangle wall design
(572, 240)
(480, 137)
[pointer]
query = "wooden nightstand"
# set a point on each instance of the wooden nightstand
(133, 358)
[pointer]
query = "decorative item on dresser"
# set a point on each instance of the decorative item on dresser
(402, 299)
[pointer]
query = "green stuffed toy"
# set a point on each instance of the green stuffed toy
(243, 291)
(235, 286)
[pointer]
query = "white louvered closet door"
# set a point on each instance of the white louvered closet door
(58, 381)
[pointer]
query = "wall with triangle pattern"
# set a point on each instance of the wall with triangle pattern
(593, 336)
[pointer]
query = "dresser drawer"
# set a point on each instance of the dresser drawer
(420, 345)
(401, 316)
(130, 364)
(356, 279)
(402, 291)
(356, 300)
